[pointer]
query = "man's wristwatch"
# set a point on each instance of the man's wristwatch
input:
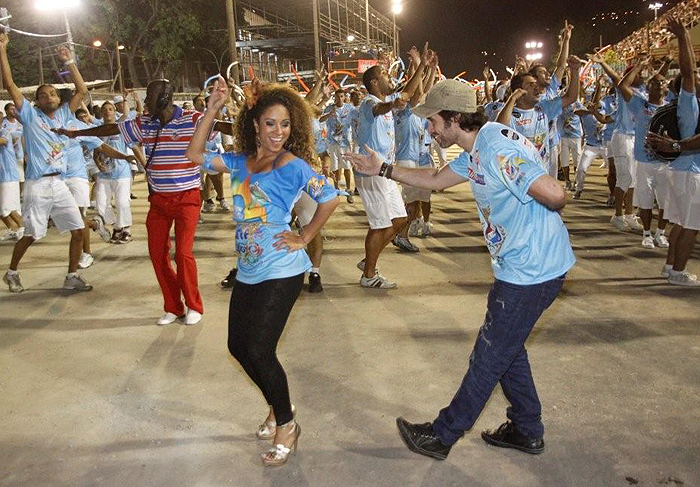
(676, 146)
(383, 168)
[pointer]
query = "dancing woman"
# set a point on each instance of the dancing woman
(269, 170)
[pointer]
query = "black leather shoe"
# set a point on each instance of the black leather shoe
(508, 436)
(315, 285)
(420, 438)
(230, 279)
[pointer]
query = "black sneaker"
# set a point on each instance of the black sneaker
(508, 436)
(124, 237)
(230, 279)
(356, 192)
(115, 236)
(315, 285)
(420, 438)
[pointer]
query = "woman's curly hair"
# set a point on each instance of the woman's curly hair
(301, 141)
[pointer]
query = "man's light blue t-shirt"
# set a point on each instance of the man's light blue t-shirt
(45, 149)
(492, 109)
(16, 130)
(592, 130)
(534, 123)
(262, 208)
(687, 122)
(528, 242)
(409, 134)
(376, 132)
(8, 160)
(624, 123)
(116, 168)
(339, 125)
(76, 163)
(608, 106)
(570, 122)
(642, 111)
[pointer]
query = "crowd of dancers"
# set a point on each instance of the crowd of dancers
(292, 157)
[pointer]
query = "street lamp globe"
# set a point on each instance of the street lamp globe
(56, 4)
(396, 9)
(97, 43)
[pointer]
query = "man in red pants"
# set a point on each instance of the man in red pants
(173, 183)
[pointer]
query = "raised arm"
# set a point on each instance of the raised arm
(563, 50)
(313, 95)
(685, 54)
(625, 85)
(507, 110)
(7, 81)
(574, 81)
(81, 90)
(487, 91)
(614, 76)
(139, 105)
(425, 57)
(197, 148)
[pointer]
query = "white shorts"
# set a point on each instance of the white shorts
(382, 200)
(49, 197)
(625, 163)
(305, 208)
(411, 193)
(570, 151)
(80, 189)
(608, 149)
(121, 190)
(9, 198)
(683, 199)
(652, 181)
(336, 154)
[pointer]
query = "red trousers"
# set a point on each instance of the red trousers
(183, 209)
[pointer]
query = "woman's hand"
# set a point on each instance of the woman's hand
(218, 96)
(289, 240)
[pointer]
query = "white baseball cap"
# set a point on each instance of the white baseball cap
(118, 99)
(448, 94)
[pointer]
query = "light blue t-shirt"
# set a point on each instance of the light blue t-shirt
(570, 122)
(492, 109)
(45, 149)
(376, 132)
(339, 125)
(528, 242)
(8, 160)
(671, 97)
(409, 134)
(320, 132)
(116, 168)
(215, 143)
(592, 130)
(424, 158)
(262, 208)
(534, 124)
(16, 130)
(642, 111)
(355, 123)
(609, 108)
(76, 160)
(552, 90)
(687, 122)
(624, 123)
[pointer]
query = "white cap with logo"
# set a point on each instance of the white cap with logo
(118, 99)
(448, 94)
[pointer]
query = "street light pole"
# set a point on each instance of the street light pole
(71, 46)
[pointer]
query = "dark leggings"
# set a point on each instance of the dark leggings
(256, 318)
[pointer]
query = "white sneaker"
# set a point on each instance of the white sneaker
(666, 270)
(427, 229)
(101, 230)
(208, 207)
(413, 228)
(167, 319)
(377, 282)
(9, 235)
(634, 223)
(76, 283)
(85, 261)
(223, 206)
(683, 279)
(648, 242)
(661, 241)
(620, 223)
(13, 282)
(192, 317)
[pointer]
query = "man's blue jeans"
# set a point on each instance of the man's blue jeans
(499, 355)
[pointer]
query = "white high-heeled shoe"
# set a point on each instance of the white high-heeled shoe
(279, 454)
(267, 430)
